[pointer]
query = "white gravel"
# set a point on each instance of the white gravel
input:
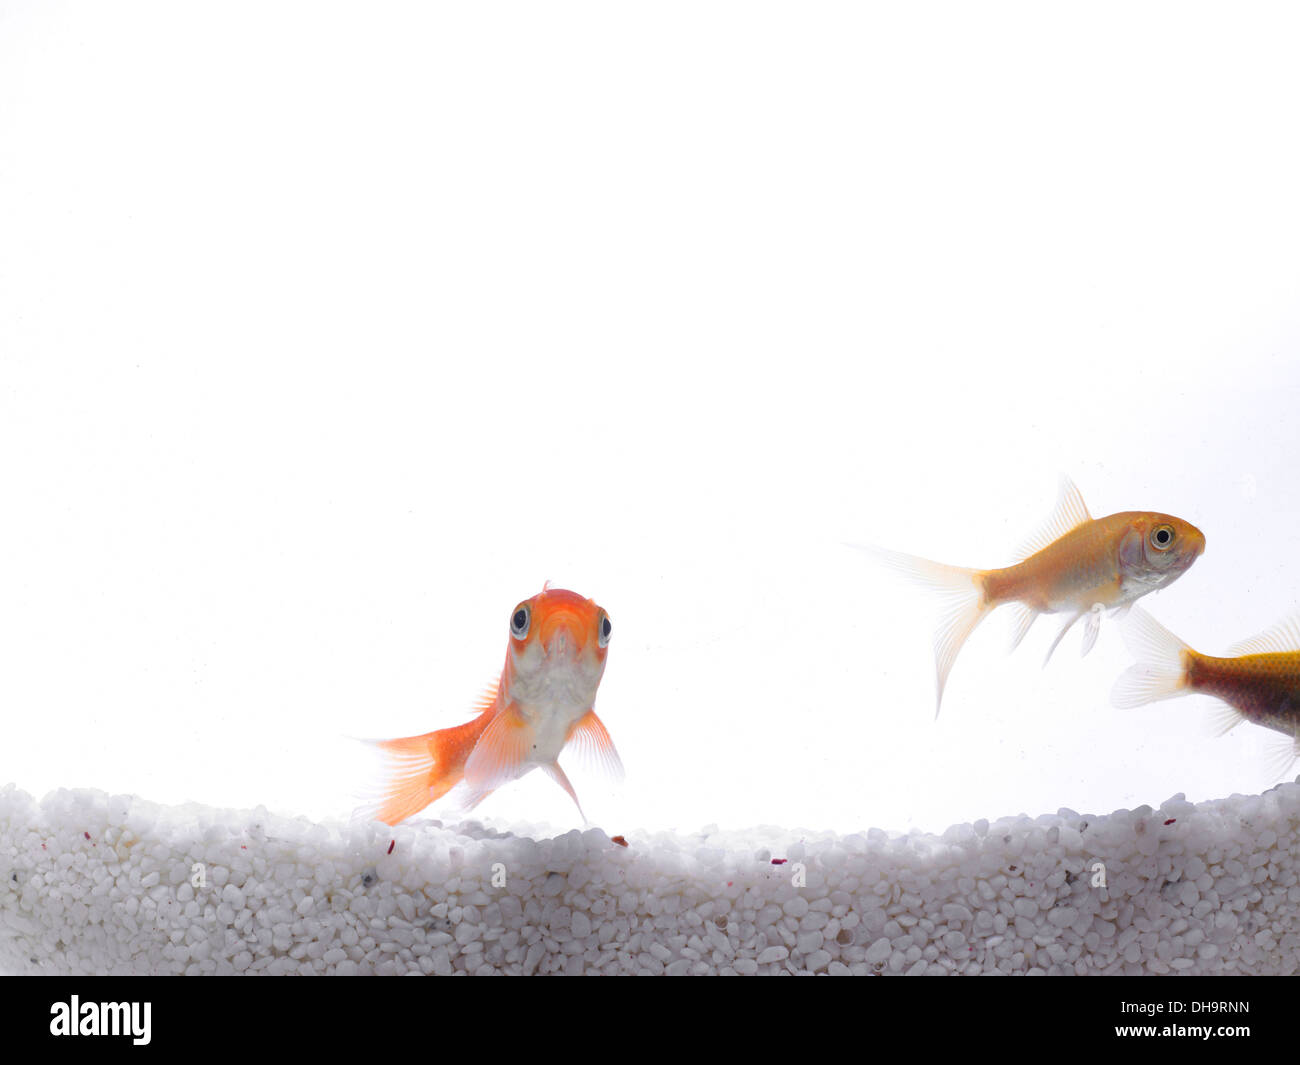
(92, 883)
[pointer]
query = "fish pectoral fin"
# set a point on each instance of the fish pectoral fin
(593, 747)
(1091, 626)
(554, 771)
(500, 753)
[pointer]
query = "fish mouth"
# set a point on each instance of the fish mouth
(562, 633)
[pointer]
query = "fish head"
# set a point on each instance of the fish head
(558, 645)
(1155, 550)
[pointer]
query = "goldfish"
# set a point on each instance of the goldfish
(543, 701)
(1259, 679)
(1074, 565)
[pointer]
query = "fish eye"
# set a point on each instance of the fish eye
(603, 630)
(519, 621)
(1162, 537)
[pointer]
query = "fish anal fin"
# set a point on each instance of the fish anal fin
(1069, 513)
(1060, 635)
(1282, 752)
(1221, 720)
(1023, 616)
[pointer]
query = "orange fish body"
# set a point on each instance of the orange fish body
(544, 700)
(1259, 680)
(1075, 565)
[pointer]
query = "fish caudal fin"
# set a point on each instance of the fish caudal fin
(408, 783)
(419, 770)
(1160, 672)
(964, 605)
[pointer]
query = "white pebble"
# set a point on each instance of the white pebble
(174, 890)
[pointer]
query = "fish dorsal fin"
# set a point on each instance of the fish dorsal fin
(1284, 636)
(488, 698)
(1069, 513)
(595, 750)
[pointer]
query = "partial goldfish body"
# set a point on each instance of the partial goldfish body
(1259, 680)
(1074, 565)
(543, 701)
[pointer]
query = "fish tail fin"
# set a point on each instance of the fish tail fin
(417, 771)
(965, 605)
(1161, 669)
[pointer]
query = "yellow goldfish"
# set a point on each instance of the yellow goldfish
(1259, 679)
(555, 658)
(1074, 565)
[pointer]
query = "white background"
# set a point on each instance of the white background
(328, 333)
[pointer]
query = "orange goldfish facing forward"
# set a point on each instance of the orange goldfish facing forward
(554, 661)
(1260, 680)
(1075, 565)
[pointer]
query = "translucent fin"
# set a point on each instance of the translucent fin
(418, 770)
(1283, 750)
(1284, 636)
(594, 749)
(1023, 617)
(1222, 720)
(554, 771)
(1091, 626)
(1068, 514)
(955, 626)
(964, 608)
(1069, 624)
(407, 786)
(1160, 671)
(500, 754)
